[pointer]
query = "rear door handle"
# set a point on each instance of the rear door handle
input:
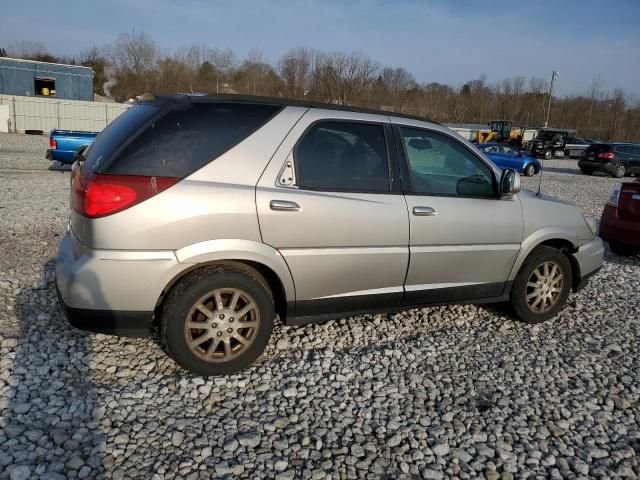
(424, 212)
(284, 206)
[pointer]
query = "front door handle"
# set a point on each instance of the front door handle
(424, 212)
(284, 206)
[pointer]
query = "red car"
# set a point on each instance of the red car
(620, 223)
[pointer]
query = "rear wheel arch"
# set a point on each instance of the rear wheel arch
(265, 275)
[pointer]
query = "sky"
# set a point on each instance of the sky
(438, 41)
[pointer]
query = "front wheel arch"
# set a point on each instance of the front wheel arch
(523, 289)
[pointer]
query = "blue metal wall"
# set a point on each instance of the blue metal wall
(72, 82)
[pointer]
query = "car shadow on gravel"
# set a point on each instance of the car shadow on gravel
(59, 167)
(49, 419)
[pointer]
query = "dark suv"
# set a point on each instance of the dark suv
(616, 159)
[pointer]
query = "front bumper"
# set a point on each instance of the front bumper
(589, 259)
(111, 291)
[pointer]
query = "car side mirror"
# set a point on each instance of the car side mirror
(509, 182)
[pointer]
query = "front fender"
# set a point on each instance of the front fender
(235, 249)
(538, 237)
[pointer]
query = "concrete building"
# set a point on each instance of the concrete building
(46, 80)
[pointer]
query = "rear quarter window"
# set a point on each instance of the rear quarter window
(188, 137)
(116, 134)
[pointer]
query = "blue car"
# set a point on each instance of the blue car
(505, 156)
(65, 143)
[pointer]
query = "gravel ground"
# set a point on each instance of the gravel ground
(461, 391)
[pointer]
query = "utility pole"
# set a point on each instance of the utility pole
(554, 75)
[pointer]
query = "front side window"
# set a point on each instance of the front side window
(343, 156)
(440, 165)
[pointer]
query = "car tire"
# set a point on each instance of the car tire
(533, 296)
(623, 250)
(207, 297)
(548, 154)
(586, 171)
(620, 170)
(529, 170)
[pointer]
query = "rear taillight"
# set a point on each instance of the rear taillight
(100, 195)
(53, 144)
(614, 197)
(607, 155)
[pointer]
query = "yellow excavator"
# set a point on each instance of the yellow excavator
(502, 131)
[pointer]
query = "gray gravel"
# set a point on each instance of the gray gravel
(462, 391)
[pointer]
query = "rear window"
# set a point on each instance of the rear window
(599, 148)
(116, 133)
(188, 137)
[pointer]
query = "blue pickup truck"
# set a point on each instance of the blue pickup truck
(63, 144)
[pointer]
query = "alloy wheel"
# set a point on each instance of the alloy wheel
(222, 325)
(544, 287)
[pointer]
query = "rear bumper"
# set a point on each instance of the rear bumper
(62, 156)
(111, 291)
(589, 258)
(596, 166)
(616, 229)
(110, 322)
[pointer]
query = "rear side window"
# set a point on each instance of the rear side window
(343, 156)
(188, 137)
(117, 133)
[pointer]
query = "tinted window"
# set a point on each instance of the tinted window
(509, 150)
(188, 137)
(116, 133)
(636, 150)
(597, 148)
(440, 165)
(343, 156)
(623, 149)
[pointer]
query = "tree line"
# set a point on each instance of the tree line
(134, 63)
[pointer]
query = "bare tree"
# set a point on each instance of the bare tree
(397, 83)
(345, 76)
(594, 93)
(295, 70)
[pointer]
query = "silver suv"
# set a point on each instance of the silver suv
(209, 216)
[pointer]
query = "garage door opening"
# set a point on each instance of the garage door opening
(45, 86)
